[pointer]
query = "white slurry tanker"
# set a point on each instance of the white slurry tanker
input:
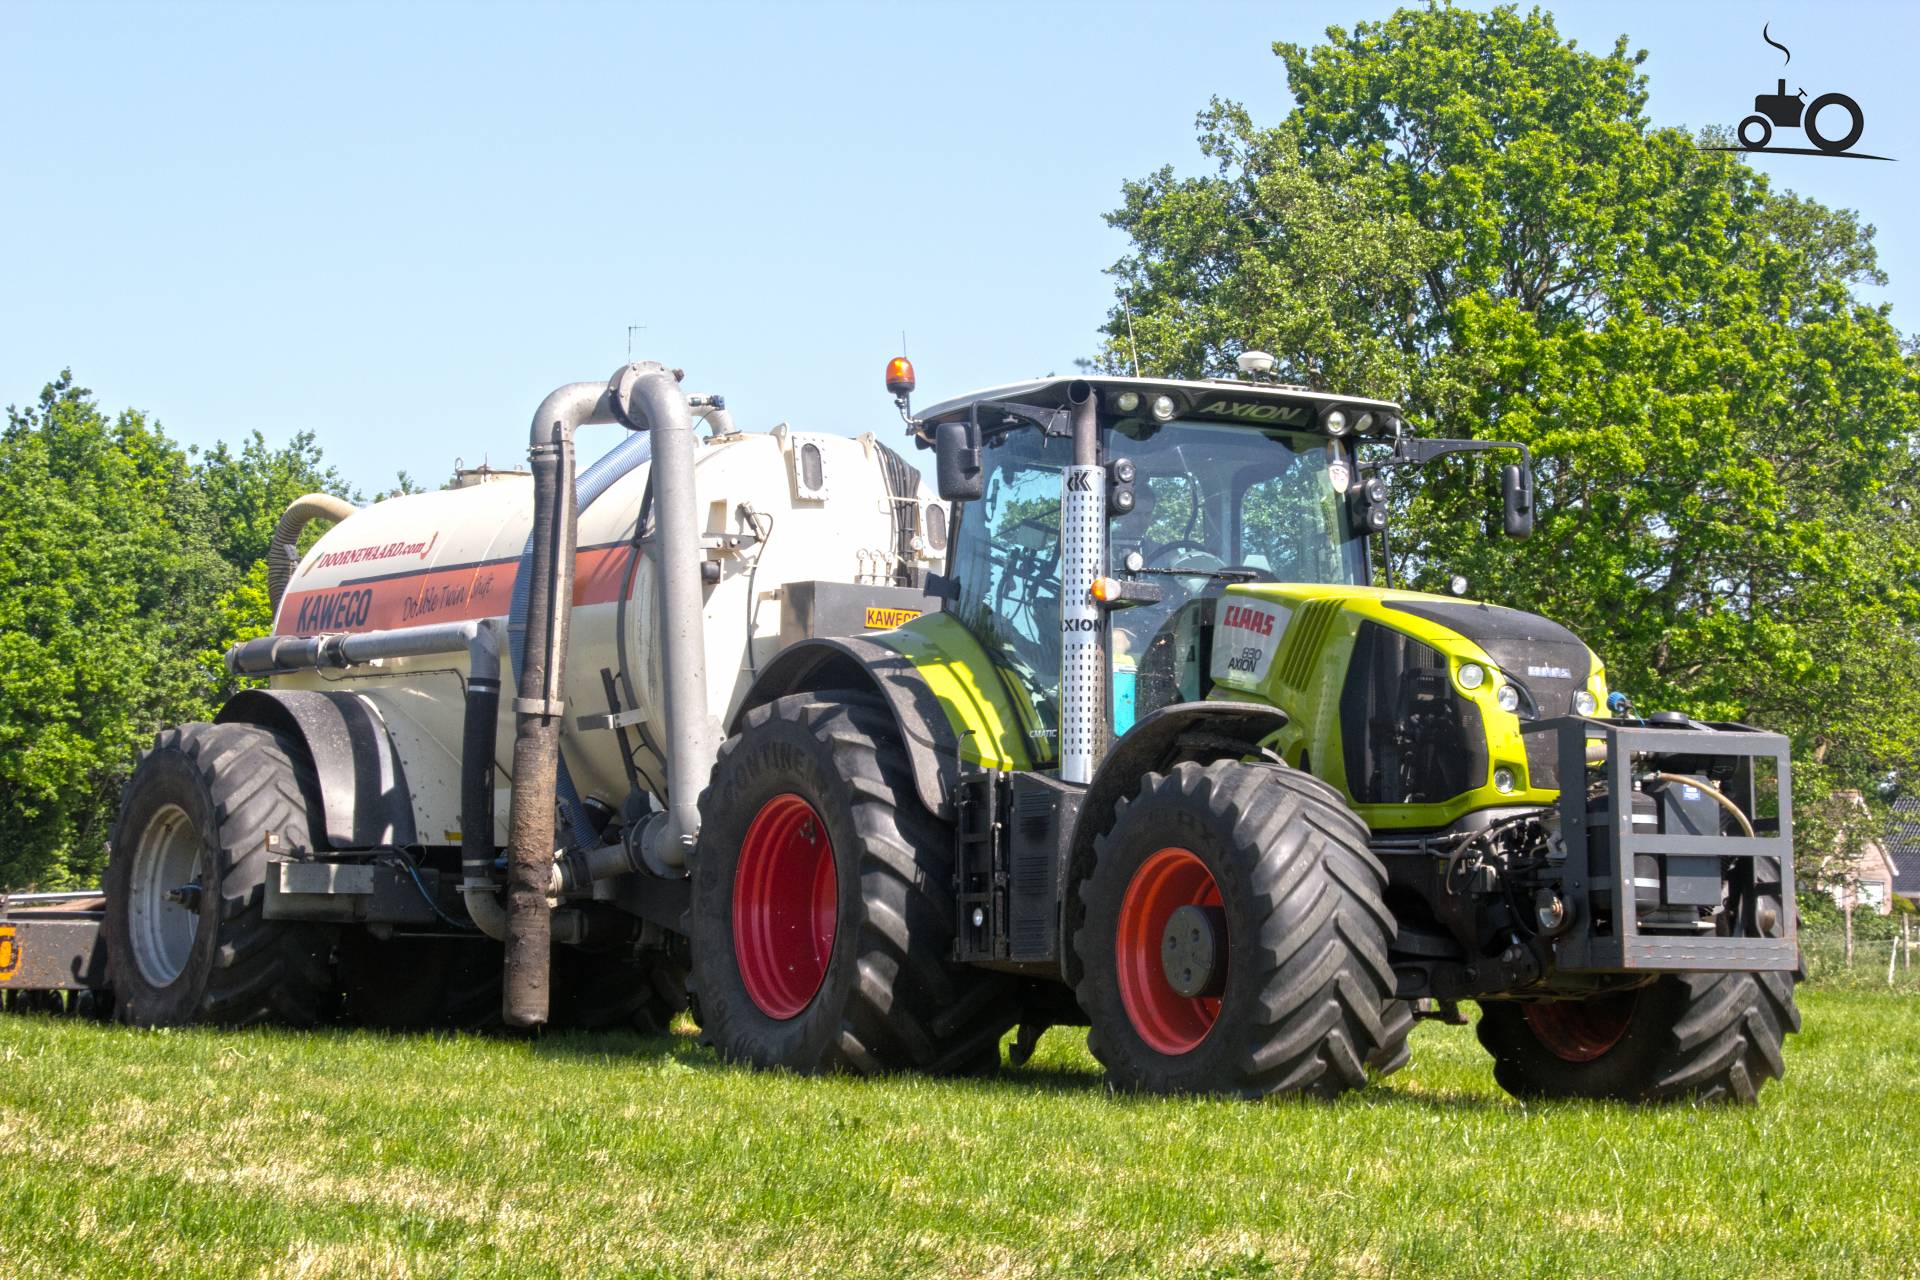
(1116, 731)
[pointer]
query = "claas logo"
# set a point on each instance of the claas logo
(1255, 620)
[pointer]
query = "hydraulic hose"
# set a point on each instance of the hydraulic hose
(476, 784)
(283, 551)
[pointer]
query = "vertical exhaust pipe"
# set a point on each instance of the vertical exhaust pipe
(1083, 557)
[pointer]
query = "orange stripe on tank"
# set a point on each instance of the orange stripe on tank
(458, 594)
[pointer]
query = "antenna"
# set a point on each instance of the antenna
(1126, 307)
(631, 330)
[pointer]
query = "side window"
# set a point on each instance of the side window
(1007, 561)
(1289, 526)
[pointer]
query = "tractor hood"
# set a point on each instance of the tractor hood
(1413, 704)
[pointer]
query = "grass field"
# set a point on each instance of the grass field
(206, 1153)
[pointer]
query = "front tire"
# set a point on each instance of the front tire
(187, 940)
(823, 911)
(1700, 1037)
(1296, 997)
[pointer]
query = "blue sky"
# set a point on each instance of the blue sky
(399, 226)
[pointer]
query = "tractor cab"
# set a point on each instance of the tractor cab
(1201, 485)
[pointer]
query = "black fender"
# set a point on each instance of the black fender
(816, 665)
(364, 800)
(1202, 731)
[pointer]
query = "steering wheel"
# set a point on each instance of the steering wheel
(1163, 556)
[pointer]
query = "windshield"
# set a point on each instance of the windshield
(1210, 500)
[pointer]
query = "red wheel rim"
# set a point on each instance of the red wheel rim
(785, 906)
(1169, 1022)
(1581, 1030)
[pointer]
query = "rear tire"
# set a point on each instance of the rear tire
(831, 952)
(1305, 1004)
(1700, 1037)
(200, 808)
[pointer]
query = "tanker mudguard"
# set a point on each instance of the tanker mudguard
(363, 786)
(817, 665)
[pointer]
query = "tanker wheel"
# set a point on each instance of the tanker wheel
(421, 984)
(596, 991)
(1235, 938)
(187, 940)
(823, 910)
(1703, 1037)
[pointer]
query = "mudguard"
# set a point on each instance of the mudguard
(812, 666)
(364, 797)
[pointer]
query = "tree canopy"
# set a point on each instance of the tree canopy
(1471, 215)
(129, 566)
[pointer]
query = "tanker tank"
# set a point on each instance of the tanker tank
(776, 508)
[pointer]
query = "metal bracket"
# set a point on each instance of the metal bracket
(609, 720)
(539, 706)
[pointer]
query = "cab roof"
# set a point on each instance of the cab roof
(1214, 399)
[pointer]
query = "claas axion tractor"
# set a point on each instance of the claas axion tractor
(1114, 730)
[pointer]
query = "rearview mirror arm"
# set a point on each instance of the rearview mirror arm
(1413, 452)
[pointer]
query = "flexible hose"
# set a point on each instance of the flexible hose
(283, 552)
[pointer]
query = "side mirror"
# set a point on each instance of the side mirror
(1516, 490)
(956, 452)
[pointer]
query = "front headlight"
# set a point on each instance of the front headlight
(1584, 703)
(1472, 675)
(1508, 697)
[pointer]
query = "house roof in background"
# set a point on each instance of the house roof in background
(1903, 846)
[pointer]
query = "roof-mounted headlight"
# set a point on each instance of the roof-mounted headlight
(1334, 422)
(1164, 408)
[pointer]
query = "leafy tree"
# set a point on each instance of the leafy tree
(1473, 216)
(111, 572)
(247, 491)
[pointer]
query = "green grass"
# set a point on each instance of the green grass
(125, 1153)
